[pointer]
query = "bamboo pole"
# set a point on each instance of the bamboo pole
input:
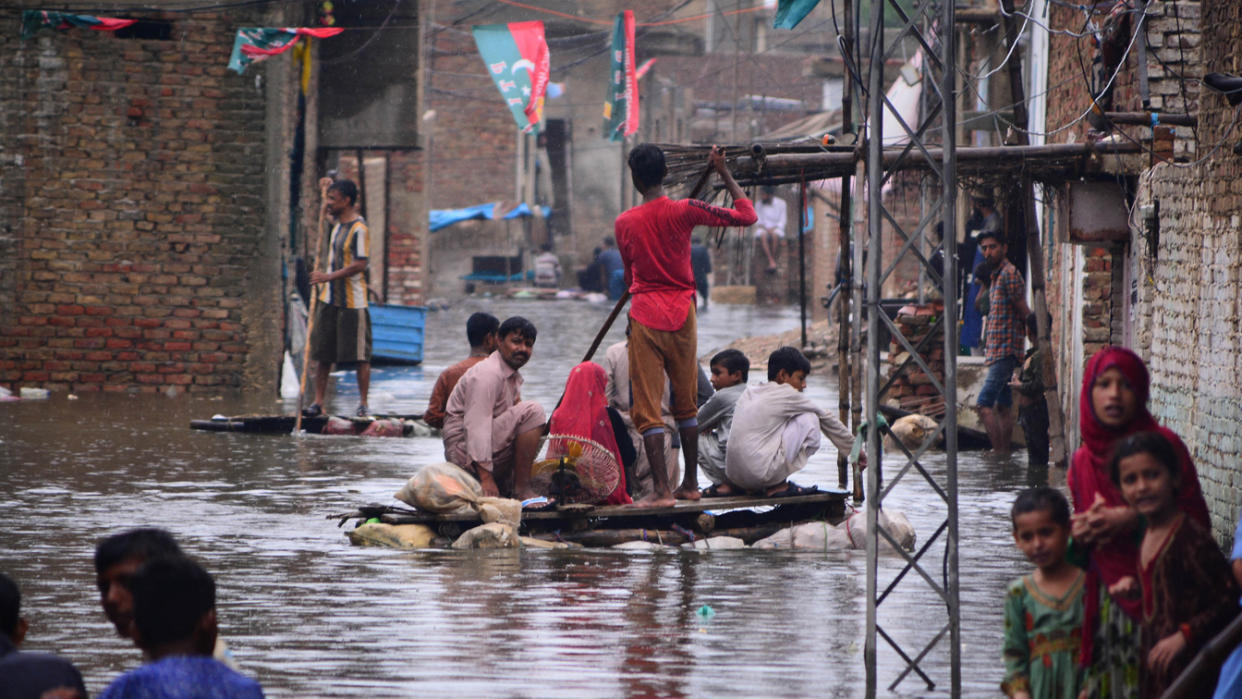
(844, 232)
(1035, 255)
(310, 317)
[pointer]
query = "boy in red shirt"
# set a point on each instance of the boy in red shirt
(654, 240)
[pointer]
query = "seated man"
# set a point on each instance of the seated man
(776, 429)
(488, 429)
(175, 626)
(730, 370)
(547, 268)
(481, 332)
(638, 477)
(25, 674)
(117, 558)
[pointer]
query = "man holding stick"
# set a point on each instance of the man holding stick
(654, 240)
(342, 330)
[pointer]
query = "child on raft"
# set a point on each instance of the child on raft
(1043, 610)
(1188, 593)
(730, 370)
(776, 429)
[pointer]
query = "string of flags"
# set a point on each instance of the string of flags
(515, 54)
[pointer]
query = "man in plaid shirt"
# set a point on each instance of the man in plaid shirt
(1002, 341)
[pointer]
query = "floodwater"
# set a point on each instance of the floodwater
(310, 616)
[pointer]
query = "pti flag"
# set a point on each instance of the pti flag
(34, 20)
(257, 43)
(790, 12)
(516, 57)
(621, 104)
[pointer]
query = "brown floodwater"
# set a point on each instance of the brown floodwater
(310, 616)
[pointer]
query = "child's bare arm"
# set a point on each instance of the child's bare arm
(1125, 587)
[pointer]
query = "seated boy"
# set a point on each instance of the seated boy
(776, 429)
(26, 674)
(175, 626)
(730, 369)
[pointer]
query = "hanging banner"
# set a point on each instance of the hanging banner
(516, 57)
(621, 103)
(257, 43)
(790, 12)
(34, 20)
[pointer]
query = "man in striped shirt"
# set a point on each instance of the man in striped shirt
(342, 330)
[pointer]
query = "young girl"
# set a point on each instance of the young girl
(1184, 581)
(1113, 405)
(1043, 611)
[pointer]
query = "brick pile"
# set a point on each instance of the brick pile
(913, 389)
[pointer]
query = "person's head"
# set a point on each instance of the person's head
(481, 331)
(174, 607)
(647, 168)
(12, 625)
(984, 203)
(610, 242)
(766, 192)
(1115, 386)
(342, 196)
(1032, 325)
(993, 248)
(117, 559)
(1145, 469)
(1041, 525)
(937, 233)
(729, 368)
(983, 273)
(546, 247)
(787, 365)
(696, 240)
(517, 341)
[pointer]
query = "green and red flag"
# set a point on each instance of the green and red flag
(790, 12)
(516, 56)
(257, 43)
(34, 20)
(621, 103)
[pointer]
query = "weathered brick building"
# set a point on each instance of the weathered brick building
(1171, 287)
(152, 202)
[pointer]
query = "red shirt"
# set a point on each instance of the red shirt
(654, 240)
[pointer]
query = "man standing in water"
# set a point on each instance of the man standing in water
(342, 330)
(1002, 342)
(654, 240)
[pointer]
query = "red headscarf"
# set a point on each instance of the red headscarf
(1089, 475)
(583, 416)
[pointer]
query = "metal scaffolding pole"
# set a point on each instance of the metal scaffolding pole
(929, 30)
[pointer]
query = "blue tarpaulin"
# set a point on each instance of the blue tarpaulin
(443, 218)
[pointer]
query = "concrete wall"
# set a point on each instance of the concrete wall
(139, 241)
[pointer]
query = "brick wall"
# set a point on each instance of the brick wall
(132, 212)
(1191, 291)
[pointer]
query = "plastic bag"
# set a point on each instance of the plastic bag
(489, 536)
(443, 489)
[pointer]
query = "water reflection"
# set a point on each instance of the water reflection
(308, 615)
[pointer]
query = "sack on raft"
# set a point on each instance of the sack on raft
(489, 536)
(397, 536)
(385, 427)
(338, 425)
(443, 489)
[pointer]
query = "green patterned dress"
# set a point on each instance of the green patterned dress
(1042, 638)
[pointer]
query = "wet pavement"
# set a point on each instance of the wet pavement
(309, 615)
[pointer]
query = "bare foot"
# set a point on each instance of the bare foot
(687, 493)
(656, 500)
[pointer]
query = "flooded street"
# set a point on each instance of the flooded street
(310, 616)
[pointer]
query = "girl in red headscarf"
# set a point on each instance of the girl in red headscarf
(1113, 405)
(581, 424)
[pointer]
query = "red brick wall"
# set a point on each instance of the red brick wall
(132, 200)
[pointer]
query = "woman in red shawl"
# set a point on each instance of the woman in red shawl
(582, 430)
(1113, 405)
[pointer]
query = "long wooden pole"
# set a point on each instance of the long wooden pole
(310, 316)
(1035, 254)
(845, 212)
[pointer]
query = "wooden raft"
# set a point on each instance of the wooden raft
(283, 424)
(607, 525)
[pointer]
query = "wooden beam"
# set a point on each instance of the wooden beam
(1144, 118)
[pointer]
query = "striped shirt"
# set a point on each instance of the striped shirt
(347, 247)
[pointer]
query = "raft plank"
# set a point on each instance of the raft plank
(283, 424)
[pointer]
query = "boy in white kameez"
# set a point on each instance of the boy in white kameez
(776, 429)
